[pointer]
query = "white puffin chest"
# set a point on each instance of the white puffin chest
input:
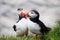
(21, 26)
(33, 27)
(22, 23)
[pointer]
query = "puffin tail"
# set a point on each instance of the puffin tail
(48, 29)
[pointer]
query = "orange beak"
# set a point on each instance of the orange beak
(22, 14)
(26, 15)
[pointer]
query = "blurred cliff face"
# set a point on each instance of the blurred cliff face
(49, 13)
(48, 9)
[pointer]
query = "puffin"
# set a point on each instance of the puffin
(35, 25)
(21, 25)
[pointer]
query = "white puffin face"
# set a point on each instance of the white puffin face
(32, 14)
(21, 12)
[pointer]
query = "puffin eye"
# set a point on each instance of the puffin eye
(32, 12)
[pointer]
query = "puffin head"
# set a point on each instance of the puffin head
(21, 12)
(33, 14)
(20, 9)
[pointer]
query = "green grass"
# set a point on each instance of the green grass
(52, 35)
(55, 33)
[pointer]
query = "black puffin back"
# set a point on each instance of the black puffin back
(44, 29)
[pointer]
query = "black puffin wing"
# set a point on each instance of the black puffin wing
(44, 29)
(14, 27)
